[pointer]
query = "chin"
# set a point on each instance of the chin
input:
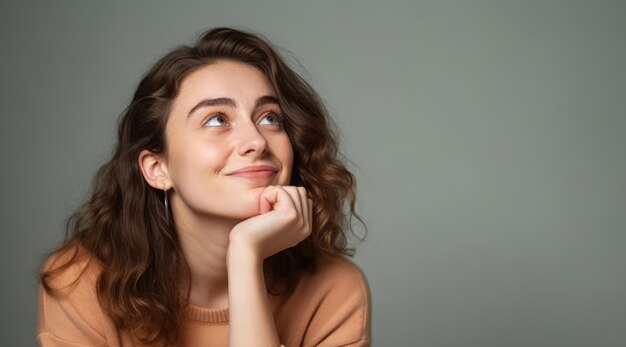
(249, 204)
(247, 211)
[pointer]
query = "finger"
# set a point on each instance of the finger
(295, 197)
(304, 204)
(267, 199)
(265, 204)
(310, 214)
(278, 198)
(303, 193)
(274, 197)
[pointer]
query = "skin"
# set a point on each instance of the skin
(227, 222)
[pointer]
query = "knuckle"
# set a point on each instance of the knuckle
(306, 231)
(292, 216)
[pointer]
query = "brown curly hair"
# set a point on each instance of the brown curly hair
(122, 225)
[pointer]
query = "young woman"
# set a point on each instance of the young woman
(219, 220)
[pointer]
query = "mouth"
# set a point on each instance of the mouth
(255, 172)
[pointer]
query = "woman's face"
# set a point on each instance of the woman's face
(225, 142)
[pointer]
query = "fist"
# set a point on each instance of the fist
(284, 220)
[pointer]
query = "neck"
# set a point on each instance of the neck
(204, 242)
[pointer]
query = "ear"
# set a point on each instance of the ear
(154, 169)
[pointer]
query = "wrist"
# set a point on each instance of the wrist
(242, 255)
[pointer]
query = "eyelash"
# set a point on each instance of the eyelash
(214, 115)
(279, 117)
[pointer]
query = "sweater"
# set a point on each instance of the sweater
(330, 307)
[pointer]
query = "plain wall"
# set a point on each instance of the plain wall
(488, 139)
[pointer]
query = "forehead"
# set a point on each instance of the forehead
(225, 79)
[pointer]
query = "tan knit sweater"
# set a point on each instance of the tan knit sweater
(328, 308)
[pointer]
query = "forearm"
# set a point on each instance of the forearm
(251, 320)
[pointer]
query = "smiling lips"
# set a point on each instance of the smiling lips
(255, 172)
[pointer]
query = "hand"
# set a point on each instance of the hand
(285, 219)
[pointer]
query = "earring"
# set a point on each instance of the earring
(167, 205)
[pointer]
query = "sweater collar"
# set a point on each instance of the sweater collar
(206, 315)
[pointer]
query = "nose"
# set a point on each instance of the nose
(251, 141)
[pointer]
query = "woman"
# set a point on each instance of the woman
(218, 221)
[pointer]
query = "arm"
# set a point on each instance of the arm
(251, 321)
(284, 221)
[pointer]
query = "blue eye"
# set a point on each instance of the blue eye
(271, 118)
(217, 120)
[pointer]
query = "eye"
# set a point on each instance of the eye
(271, 118)
(216, 120)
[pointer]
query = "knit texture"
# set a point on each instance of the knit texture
(328, 308)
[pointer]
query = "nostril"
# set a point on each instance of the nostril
(257, 146)
(251, 140)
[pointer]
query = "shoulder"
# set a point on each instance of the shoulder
(70, 270)
(70, 310)
(338, 274)
(336, 280)
(331, 306)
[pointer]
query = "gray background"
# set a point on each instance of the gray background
(488, 139)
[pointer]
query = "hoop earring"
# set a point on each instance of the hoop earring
(167, 205)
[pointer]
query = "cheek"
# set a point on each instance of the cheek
(193, 166)
(204, 157)
(287, 160)
(283, 151)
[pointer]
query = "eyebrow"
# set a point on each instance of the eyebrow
(264, 100)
